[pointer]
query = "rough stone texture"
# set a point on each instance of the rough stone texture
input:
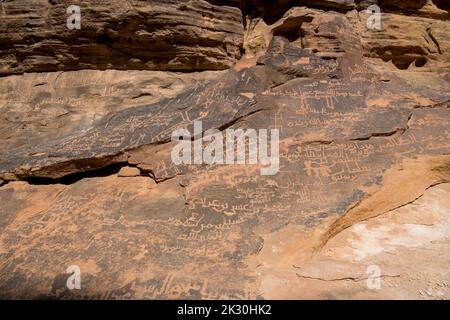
(38, 107)
(364, 173)
(426, 47)
(410, 245)
(138, 35)
(129, 172)
(418, 43)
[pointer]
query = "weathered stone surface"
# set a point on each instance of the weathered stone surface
(305, 28)
(363, 179)
(138, 35)
(272, 10)
(410, 246)
(408, 43)
(129, 172)
(39, 107)
(416, 43)
(298, 62)
(438, 9)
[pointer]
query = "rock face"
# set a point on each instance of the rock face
(425, 47)
(361, 186)
(38, 107)
(138, 35)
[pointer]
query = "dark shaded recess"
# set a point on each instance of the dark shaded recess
(229, 3)
(403, 57)
(442, 4)
(395, 5)
(364, 4)
(402, 63)
(420, 62)
(291, 28)
(272, 11)
(75, 177)
(402, 4)
(269, 10)
(104, 37)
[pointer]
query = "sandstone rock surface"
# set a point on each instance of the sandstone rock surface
(138, 35)
(38, 107)
(364, 161)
